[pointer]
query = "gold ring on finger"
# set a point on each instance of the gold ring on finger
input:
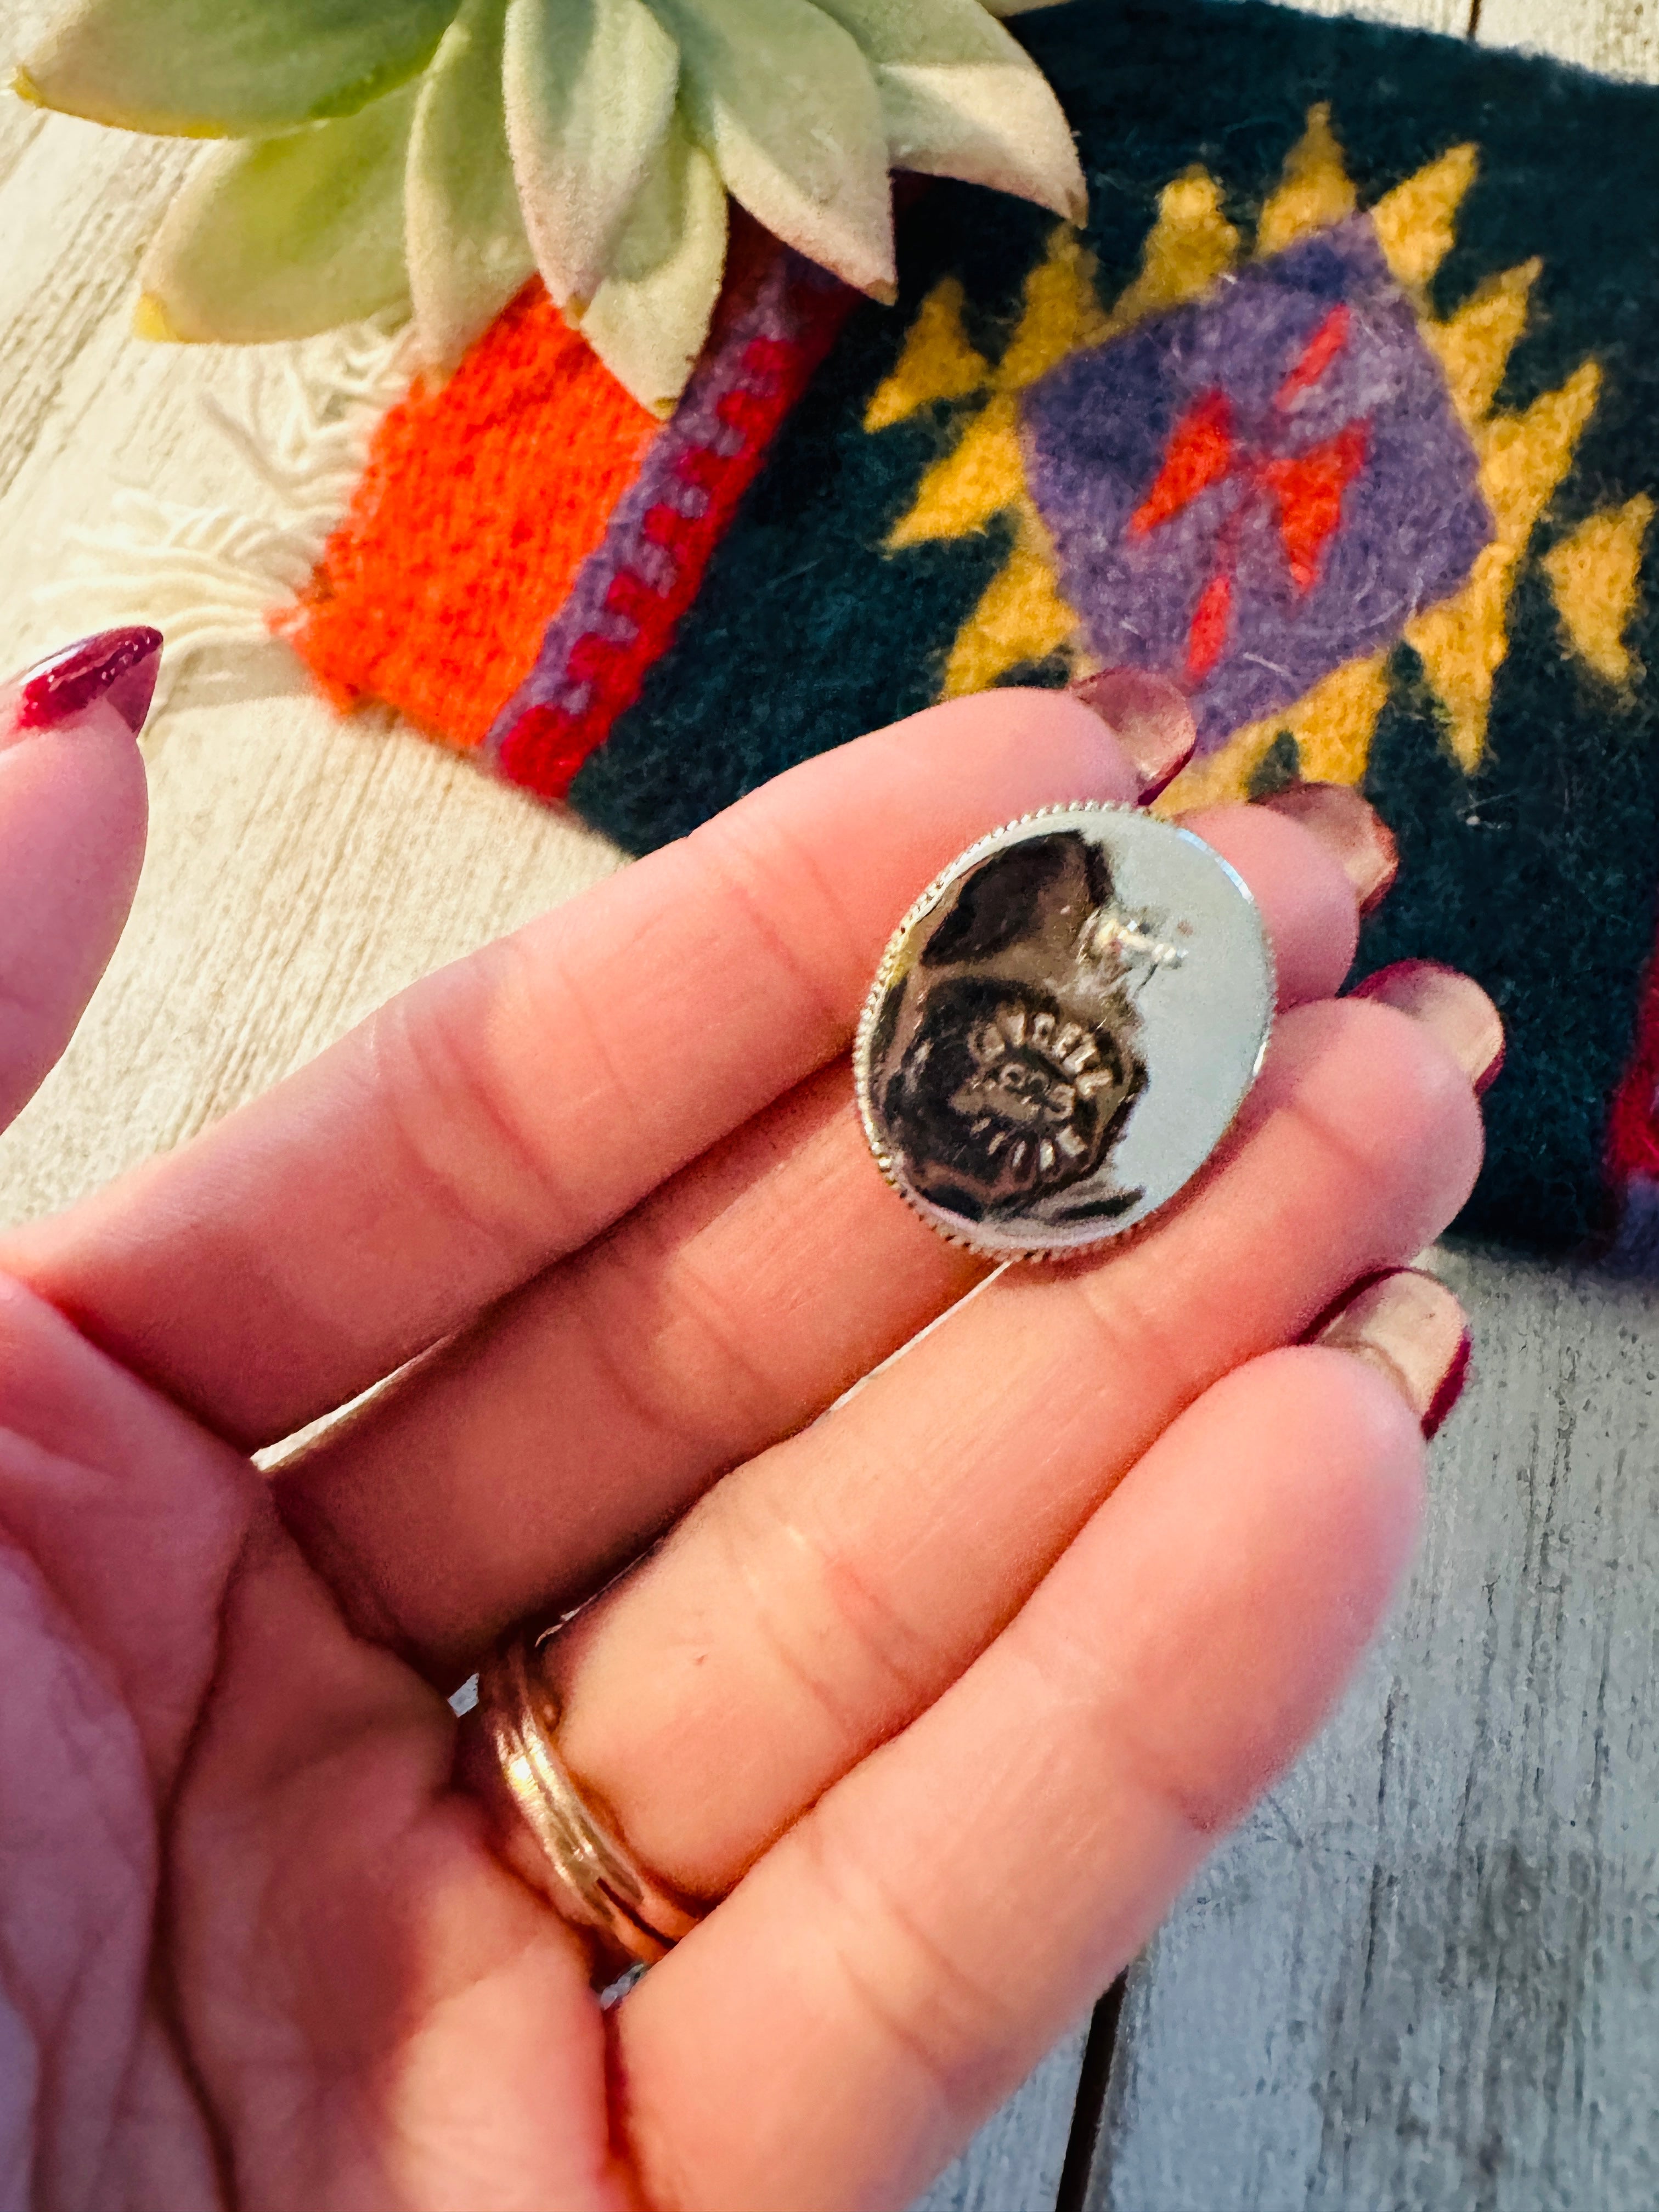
(558, 1837)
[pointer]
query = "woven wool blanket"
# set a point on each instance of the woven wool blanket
(1343, 410)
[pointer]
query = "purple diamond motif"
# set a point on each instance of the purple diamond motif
(1249, 491)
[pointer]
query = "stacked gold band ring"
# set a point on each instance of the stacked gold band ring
(551, 1834)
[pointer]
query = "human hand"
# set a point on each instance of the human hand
(950, 1689)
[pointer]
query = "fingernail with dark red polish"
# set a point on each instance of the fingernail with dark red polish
(117, 667)
(1350, 829)
(1452, 1005)
(1411, 1328)
(1150, 719)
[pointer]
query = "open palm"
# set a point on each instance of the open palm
(944, 1691)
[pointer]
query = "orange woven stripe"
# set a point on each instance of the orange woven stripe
(479, 503)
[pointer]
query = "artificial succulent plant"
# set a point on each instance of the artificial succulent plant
(436, 153)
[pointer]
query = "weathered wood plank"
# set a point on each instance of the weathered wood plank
(1618, 37)
(1014, 2162)
(59, 280)
(1452, 16)
(1427, 1972)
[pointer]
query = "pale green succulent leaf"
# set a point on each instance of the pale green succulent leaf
(924, 31)
(961, 98)
(229, 69)
(286, 236)
(590, 90)
(468, 253)
(648, 319)
(987, 125)
(786, 102)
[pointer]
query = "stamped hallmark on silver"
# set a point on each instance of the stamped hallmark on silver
(1062, 1029)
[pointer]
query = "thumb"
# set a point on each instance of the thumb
(72, 816)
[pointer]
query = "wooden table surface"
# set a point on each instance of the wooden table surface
(1427, 1972)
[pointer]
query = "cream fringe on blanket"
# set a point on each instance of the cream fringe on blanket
(209, 577)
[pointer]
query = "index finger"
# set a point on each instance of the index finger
(501, 1112)
(72, 810)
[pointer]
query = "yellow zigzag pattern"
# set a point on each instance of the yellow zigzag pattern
(1594, 574)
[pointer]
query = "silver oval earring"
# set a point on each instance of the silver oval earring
(1062, 1029)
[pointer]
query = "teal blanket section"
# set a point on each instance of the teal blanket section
(1535, 869)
